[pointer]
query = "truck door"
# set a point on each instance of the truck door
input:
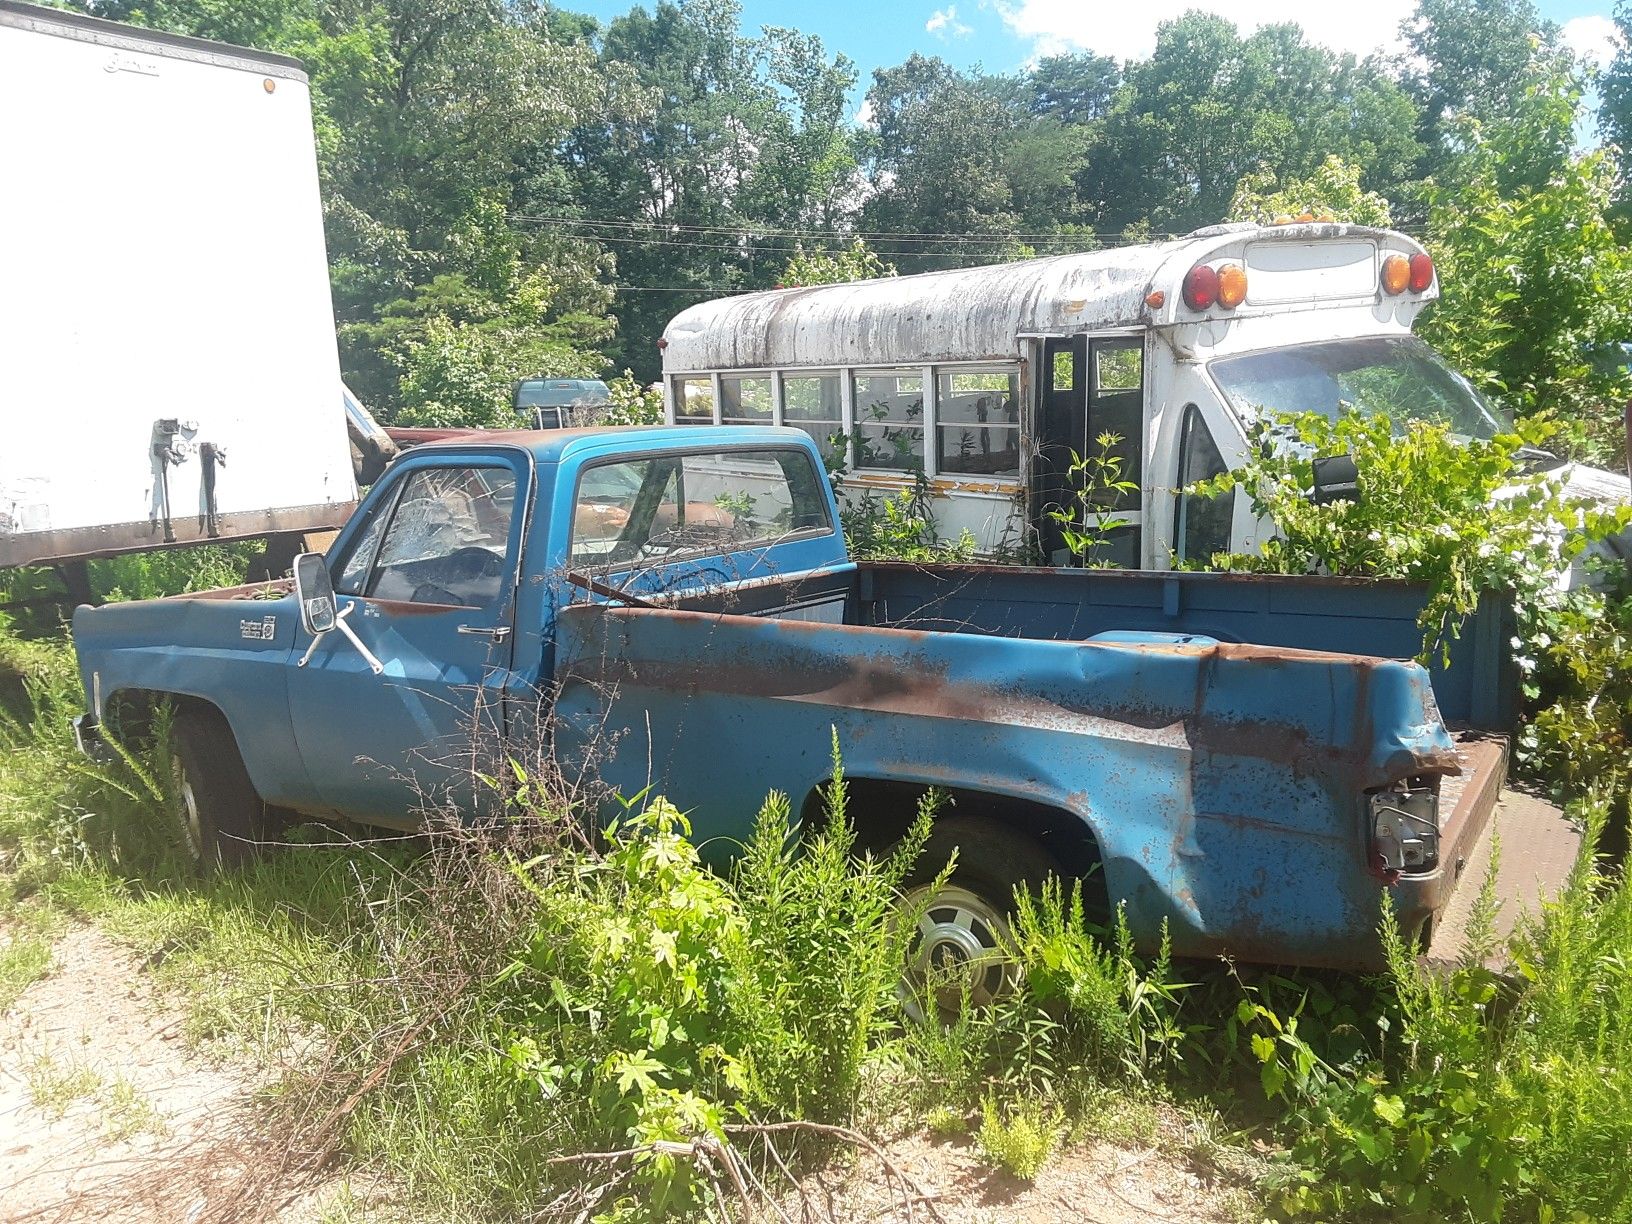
(1091, 408)
(426, 579)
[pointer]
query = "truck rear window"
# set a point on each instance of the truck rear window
(659, 508)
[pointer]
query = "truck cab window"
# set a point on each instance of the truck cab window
(448, 539)
(1201, 525)
(652, 510)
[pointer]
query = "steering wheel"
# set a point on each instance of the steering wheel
(472, 561)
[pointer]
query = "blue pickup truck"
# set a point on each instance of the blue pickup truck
(675, 608)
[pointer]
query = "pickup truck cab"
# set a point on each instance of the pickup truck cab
(674, 608)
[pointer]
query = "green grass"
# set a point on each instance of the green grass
(23, 961)
(127, 1114)
(56, 1087)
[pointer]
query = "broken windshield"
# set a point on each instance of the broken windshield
(1398, 376)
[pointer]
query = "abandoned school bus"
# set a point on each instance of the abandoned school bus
(984, 381)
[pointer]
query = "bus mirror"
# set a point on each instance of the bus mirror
(1336, 479)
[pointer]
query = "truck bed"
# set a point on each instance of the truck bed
(1224, 781)
(1473, 688)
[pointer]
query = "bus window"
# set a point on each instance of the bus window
(978, 423)
(890, 420)
(745, 401)
(1201, 525)
(811, 402)
(1116, 404)
(694, 401)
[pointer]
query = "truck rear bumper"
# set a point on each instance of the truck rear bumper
(1467, 801)
(1539, 848)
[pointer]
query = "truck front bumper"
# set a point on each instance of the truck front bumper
(88, 737)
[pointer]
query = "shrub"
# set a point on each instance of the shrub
(1020, 1137)
(900, 527)
(820, 990)
(1493, 1098)
(1120, 1016)
(1459, 515)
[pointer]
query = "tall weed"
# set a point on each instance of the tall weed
(1494, 1097)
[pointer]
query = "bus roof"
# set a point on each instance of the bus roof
(963, 314)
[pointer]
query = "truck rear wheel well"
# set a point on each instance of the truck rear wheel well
(881, 809)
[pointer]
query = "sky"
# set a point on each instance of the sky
(1004, 35)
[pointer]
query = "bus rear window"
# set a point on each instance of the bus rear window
(659, 508)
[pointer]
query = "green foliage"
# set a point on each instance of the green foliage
(657, 1002)
(623, 997)
(1098, 490)
(820, 994)
(1535, 282)
(899, 527)
(632, 403)
(1492, 1098)
(1020, 1137)
(821, 266)
(1332, 193)
(1119, 1015)
(1211, 106)
(1578, 682)
(1459, 515)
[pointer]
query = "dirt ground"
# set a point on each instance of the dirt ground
(106, 1113)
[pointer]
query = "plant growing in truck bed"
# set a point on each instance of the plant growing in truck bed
(1461, 515)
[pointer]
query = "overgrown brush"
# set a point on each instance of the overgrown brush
(1487, 1097)
(61, 811)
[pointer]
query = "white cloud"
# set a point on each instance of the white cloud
(1594, 39)
(864, 114)
(944, 22)
(1116, 28)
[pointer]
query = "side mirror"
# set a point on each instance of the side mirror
(314, 590)
(1336, 479)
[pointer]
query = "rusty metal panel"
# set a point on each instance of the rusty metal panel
(1222, 782)
(1477, 686)
(965, 314)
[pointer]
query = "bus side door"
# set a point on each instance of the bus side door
(1091, 439)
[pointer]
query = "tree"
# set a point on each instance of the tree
(1615, 112)
(1535, 285)
(1210, 107)
(821, 266)
(742, 139)
(1332, 193)
(1074, 89)
(965, 170)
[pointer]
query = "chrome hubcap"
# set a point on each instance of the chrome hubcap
(960, 949)
(192, 827)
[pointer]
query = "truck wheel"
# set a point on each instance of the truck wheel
(221, 816)
(963, 933)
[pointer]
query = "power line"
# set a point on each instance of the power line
(990, 249)
(846, 235)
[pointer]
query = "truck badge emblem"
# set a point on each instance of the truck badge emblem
(263, 630)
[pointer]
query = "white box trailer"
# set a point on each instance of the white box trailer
(168, 366)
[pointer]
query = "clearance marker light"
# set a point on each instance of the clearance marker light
(1200, 287)
(1396, 274)
(1422, 272)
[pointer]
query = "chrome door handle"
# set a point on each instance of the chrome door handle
(497, 632)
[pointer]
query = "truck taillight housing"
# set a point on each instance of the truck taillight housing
(1405, 826)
